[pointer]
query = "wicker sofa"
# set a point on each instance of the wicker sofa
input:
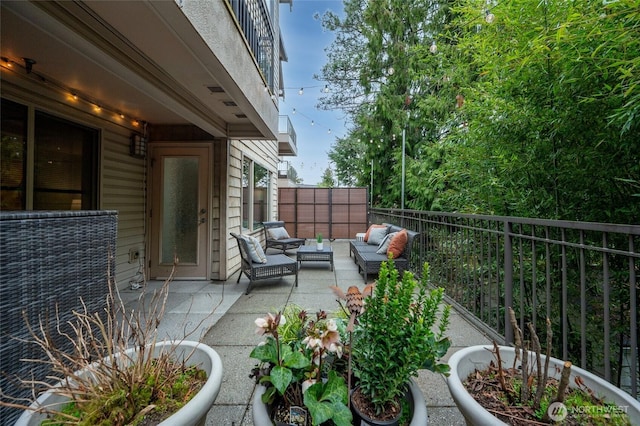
(368, 261)
(277, 266)
(283, 244)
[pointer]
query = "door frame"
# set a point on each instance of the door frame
(154, 191)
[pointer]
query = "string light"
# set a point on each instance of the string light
(301, 91)
(69, 93)
(312, 122)
(433, 49)
(489, 17)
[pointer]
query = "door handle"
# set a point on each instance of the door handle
(203, 211)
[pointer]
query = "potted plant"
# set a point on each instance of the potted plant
(118, 373)
(320, 245)
(401, 331)
(300, 370)
(493, 374)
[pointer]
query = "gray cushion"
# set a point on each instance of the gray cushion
(255, 249)
(384, 244)
(377, 235)
(279, 233)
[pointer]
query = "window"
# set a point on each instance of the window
(65, 162)
(256, 187)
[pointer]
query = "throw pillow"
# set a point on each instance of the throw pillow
(278, 233)
(256, 253)
(384, 244)
(368, 233)
(377, 235)
(398, 244)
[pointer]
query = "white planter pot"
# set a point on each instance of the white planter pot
(320, 246)
(193, 413)
(467, 360)
(260, 411)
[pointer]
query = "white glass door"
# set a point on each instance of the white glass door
(180, 212)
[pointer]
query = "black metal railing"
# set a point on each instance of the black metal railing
(254, 21)
(582, 276)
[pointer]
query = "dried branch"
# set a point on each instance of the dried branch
(564, 381)
(524, 389)
(535, 341)
(517, 335)
(500, 372)
(98, 343)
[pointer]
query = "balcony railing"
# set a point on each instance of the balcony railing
(256, 26)
(582, 276)
(287, 139)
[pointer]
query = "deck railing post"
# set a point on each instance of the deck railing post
(508, 281)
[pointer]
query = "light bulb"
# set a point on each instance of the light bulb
(433, 48)
(326, 88)
(329, 131)
(294, 111)
(489, 17)
(301, 91)
(391, 71)
(313, 122)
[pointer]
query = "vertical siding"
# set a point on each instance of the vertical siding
(123, 189)
(264, 153)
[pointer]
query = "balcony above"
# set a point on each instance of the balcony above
(287, 145)
(164, 62)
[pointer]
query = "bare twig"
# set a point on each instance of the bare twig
(535, 342)
(564, 381)
(503, 384)
(98, 343)
(517, 335)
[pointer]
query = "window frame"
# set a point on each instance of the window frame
(248, 194)
(86, 136)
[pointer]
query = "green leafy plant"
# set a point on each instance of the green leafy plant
(395, 337)
(319, 237)
(300, 364)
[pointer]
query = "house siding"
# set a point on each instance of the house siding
(264, 153)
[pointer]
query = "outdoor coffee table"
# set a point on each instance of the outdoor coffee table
(311, 253)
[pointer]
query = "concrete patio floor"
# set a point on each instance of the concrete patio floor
(222, 316)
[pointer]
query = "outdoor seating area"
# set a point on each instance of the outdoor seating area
(231, 329)
(257, 265)
(369, 253)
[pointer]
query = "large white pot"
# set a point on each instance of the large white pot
(193, 413)
(467, 360)
(260, 411)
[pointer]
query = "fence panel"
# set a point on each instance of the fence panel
(336, 213)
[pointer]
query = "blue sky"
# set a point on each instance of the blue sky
(305, 42)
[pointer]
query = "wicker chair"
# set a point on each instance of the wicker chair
(282, 244)
(277, 266)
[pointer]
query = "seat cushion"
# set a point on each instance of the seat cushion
(398, 243)
(368, 233)
(255, 249)
(386, 241)
(377, 235)
(279, 233)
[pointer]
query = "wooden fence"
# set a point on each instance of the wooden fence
(336, 213)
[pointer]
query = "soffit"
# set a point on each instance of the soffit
(140, 57)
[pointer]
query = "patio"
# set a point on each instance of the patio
(230, 329)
